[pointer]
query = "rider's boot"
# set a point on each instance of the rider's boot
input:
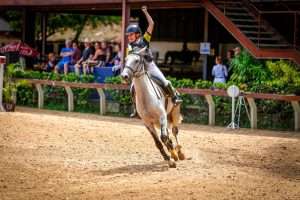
(176, 99)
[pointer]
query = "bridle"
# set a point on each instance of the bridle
(140, 70)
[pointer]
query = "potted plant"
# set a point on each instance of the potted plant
(10, 87)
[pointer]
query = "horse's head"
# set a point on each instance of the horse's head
(134, 65)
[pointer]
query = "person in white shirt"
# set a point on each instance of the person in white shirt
(219, 71)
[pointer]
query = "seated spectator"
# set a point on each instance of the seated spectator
(96, 60)
(219, 71)
(66, 54)
(116, 69)
(85, 55)
(50, 65)
(109, 56)
(77, 53)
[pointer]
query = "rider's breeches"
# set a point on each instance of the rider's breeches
(156, 73)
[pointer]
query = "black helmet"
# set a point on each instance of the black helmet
(133, 28)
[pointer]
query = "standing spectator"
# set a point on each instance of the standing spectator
(77, 53)
(237, 51)
(227, 62)
(66, 54)
(219, 71)
(85, 55)
(50, 65)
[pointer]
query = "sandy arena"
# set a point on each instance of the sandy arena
(59, 155)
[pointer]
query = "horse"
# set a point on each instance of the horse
(154, 108)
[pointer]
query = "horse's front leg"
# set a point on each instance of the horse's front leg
(165, 137)
(159, 145)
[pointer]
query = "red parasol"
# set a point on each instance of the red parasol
(22, 48)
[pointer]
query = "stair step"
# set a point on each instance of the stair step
(264, 38)
(228, 2)
(274, 45)
(247, 26)
(256, 32)
(243, 20)
(238, 8)
(237, 14)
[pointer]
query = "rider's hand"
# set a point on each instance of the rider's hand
(144, 8)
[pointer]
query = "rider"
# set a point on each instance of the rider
(139, 41)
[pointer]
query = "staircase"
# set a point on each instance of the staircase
(243, 21)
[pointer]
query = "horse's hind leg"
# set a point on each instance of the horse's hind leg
(159, 145)
(178, 147)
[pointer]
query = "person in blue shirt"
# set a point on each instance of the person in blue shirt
(219, 71)
(67, 55)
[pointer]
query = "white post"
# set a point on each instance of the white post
(102, 101)
(70, 98)
(2, 63)
(253, 112)
(211, 110)
(296, 108)
(40, 95)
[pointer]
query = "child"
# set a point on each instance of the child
(138, 41)
(51, 63)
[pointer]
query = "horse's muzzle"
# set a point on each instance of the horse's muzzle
(125, 77)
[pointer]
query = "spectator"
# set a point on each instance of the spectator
(105, 49)
(50, 64)
(227, 61)
(85, 55)
(219, 71)
(66, 54)
(77, 53)
(109, 56)
(237, 51)
(98, 59)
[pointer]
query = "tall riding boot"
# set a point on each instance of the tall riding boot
(173, 94)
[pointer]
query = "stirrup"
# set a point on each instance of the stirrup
(176, 100)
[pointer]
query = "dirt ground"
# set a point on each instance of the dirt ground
(59, 155)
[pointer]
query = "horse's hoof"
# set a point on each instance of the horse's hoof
(181, 155)
(172, 163)
(174, 154)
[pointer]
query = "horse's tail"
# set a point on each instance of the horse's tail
(175, 117)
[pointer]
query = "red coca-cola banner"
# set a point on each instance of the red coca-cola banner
(22, 48)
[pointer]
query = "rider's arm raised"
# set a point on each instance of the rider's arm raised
(149, 19)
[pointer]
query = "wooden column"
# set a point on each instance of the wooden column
(125, 22)
(2, 63)
(44, 17)
(205, 39)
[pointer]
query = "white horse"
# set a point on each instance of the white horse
(154, 108)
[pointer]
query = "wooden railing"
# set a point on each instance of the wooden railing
(207, 93)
